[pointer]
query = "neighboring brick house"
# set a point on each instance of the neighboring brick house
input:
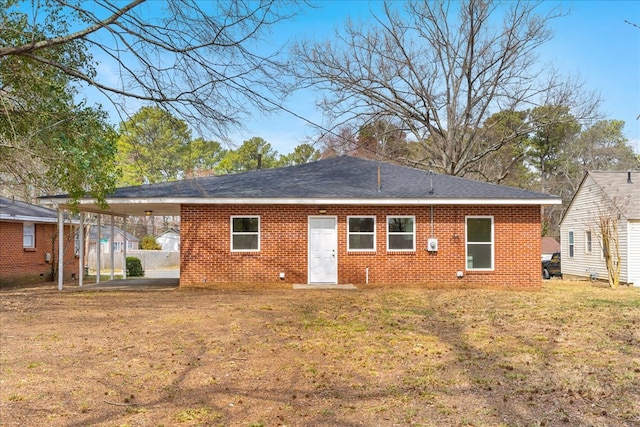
(549, 247)
(346, 220)
(28, 249)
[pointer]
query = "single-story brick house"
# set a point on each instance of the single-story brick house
(345, 220)
(28, 250)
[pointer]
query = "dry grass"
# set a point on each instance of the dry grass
(566, 355)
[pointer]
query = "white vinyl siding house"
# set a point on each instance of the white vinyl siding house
(613, 194)
(633, 237)
(169, 240)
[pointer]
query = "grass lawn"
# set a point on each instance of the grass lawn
(568, 354)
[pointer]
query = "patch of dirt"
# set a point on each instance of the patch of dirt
(568, 354)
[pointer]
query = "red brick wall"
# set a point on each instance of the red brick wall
(28, 266)
(206, 257)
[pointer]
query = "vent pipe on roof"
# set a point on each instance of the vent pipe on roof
(379, 179)
(629, 177)
(431, 190)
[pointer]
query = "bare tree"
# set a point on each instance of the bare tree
(610, 241)
(613, 205)
(382, 140)
(201, 60)
(339, 142)
(442, 69)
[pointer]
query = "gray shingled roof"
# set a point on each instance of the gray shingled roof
(20, 211)
(105, 233)
(625, 194)
(341, 177)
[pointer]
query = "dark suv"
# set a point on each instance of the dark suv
(551, 267)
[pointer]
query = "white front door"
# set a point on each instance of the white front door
(323, 247)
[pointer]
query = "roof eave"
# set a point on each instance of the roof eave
(315, 201)
(37, 219)
(372, 201)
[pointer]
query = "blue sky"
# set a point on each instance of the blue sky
(593, 42)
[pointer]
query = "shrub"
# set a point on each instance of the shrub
(134, 267)
(148, 242)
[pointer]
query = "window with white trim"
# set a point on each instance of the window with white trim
(571, 245)
(28, 235)
(119, 246)
(479, 242)
(245, 233)
(361, 233)
(401, 233)
(587, 242)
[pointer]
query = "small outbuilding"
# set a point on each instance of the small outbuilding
(169, 240)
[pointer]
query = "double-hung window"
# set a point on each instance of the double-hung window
(479, 242)
(245, 233)
(401, 233)
(119, 246)
(28, 235)
(76, 243)
(361, 233)
(571, 245)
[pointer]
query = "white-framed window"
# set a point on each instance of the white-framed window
(571, 245)
(28, 235)
(119, 246)
(361, 233)
(76, 242)
(588, 244)
(401, 233)
(479, 242)
(245, 233)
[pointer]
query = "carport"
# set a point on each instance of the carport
(117, 207)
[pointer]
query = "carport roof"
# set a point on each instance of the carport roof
(339, 180)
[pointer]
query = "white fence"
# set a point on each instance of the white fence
(151, 260)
